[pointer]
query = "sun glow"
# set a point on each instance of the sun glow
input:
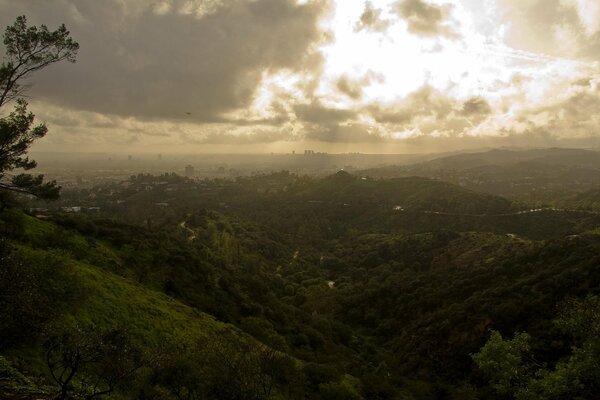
(384, 63)
(335, 72)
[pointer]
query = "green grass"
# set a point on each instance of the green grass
(111, 300)
(104, 300)
(153, 316)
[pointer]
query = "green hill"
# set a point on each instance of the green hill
(55, 287)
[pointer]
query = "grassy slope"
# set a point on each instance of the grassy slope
(114, 299)
(109, 300)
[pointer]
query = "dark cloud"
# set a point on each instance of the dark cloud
(476, 106)
(371, 20)
(350, 88)
(353, 88)
(426, 19)
(154, 61)
(317, 113)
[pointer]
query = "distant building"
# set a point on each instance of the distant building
(189, 171)
(75, 209)
(160, 156)
(129, 157)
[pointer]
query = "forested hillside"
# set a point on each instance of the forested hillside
(340, 287)
(538, 177)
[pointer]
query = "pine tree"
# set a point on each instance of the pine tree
(28, 49)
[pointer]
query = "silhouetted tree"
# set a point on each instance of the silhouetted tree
(89, 364)
(28, 49)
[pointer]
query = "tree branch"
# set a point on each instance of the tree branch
(15, 189)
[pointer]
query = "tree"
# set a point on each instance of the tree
(28, 49)
(505, 363)
(87, 363)
(514, 373)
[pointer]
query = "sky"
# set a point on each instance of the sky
(379, 76)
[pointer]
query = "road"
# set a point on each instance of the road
(532, 211)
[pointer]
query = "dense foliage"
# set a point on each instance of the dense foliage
(340, 287)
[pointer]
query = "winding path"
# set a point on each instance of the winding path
(192, 236)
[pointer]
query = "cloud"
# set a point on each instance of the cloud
(424, 102)
(591, 47)
(563, 28)
(426, 19)
(573, 113)
(350, 88)
(255, 137)
(370, 20)
(172, 59)
(576, 116)
(476, 106)
(430, 112)
(162, 7)
(425, 112)
(317, 113)
(252, 72)
(345, 133)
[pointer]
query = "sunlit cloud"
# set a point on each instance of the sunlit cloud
(426, 19)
